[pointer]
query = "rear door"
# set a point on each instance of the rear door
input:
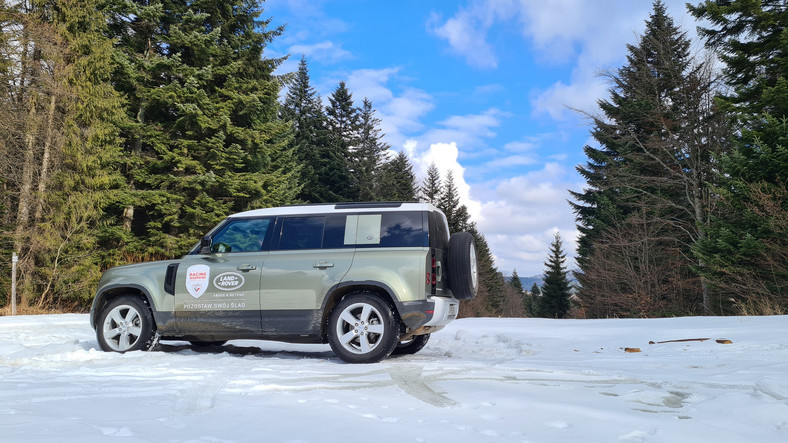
(308, 257)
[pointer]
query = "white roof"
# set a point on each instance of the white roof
(337, 208)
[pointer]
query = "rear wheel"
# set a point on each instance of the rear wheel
(412, 345)
(124, 325)
(362, 329)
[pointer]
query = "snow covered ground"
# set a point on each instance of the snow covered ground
(479, 380)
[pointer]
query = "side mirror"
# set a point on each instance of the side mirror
(205, 245)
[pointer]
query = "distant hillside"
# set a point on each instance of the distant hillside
(538, 279)
(527, 281)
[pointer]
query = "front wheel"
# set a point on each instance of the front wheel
(124, 325)
(412, 345)
(362, 329)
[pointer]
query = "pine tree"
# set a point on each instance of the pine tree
(303, 108)
(649, 197)
(67, 135)
(397, 180)
(741, 254)
(556, 291)
(207, 139)
(449, 202)
(532, 300)
(370, 155)
(491, 282)
(342, 119)
(432, 185)
(516, 283)
(517, 292)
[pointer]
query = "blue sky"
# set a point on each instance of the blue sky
(485, 88)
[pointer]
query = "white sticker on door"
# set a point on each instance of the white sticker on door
(228, 281)
(197, 279)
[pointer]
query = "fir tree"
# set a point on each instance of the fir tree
(370, 155)
(532, 300)
(554, 302)
(741, 252)
(303, 108)
(516, 283)
(342, 119)
(207, 139)
(449, 202)
(70, 148)
(649, 198)
(430, 191)
(491, 282)
(397, 180)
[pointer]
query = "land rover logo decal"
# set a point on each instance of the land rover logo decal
(228, 281)
(197, 279)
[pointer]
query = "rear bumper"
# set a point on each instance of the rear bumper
(444, 310)
(433, 312)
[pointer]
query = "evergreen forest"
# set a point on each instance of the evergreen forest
(130, 128)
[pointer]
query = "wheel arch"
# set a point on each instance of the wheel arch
(340, 291)
(110, 293)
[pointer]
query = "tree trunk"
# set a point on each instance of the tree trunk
(25, 189)
(42, 181)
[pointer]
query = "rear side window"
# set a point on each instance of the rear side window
(402, 229)
(388, 229)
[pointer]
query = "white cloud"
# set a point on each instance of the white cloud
(445, 156)
(466, 37)
(466, 32)
(586, 34)
(520, 215)
(467, 131)
(325, 51)
(400, 112)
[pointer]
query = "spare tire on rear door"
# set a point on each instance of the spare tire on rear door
(462, 267)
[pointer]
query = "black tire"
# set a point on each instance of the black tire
(125, 324)
(362, 329)
(412, 345)
(207, 344)
(462, 266)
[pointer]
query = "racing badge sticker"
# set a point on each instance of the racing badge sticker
(197, 279)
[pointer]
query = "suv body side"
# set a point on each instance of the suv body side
(278, 273)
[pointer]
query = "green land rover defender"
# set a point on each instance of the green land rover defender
(370, 279)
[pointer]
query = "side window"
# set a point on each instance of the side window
(401, 229)
(389, 229)
(302, 233)
(241, 236)
(334, 236)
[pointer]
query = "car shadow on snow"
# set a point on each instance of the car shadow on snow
(242, 351)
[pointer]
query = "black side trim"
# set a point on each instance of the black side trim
(169, 278)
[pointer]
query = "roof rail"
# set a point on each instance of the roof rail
(358, 205)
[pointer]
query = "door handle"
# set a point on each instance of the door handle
(246, 268)
(323, 265)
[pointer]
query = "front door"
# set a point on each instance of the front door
(219, 292)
